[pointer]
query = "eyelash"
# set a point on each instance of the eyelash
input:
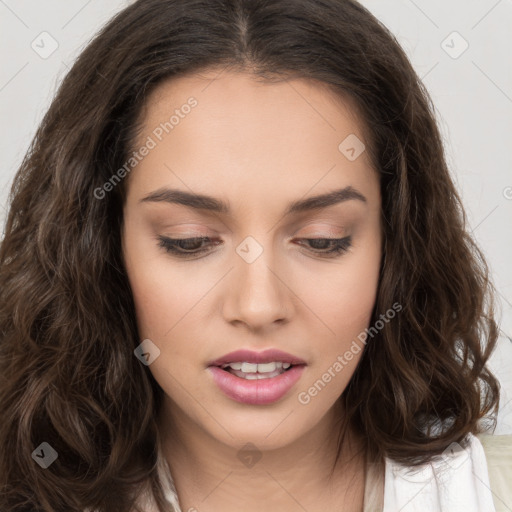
(341, 246)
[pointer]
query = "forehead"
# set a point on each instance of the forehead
(246, 133)
(230, 97)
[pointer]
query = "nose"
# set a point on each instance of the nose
(257, 294)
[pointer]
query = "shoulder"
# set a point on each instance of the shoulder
(456, 481)
(498, 454)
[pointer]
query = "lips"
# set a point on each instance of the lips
(256, 392)
(260, 391)
(249, 356)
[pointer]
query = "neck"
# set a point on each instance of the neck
(211, 476)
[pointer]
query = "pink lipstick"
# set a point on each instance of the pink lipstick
(256, 378)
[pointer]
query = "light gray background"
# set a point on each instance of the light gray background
(472, 91)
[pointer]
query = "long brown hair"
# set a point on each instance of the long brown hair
(67, 320)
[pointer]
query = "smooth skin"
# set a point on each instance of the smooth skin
(258, 147)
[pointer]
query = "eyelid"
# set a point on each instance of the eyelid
(320, 233)
(326, 232)
(191, 232)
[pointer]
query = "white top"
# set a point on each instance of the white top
(458, 481)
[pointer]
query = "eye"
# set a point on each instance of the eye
(329, 247)
(184, 247)
(187, 247)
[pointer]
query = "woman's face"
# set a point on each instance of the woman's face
(260, 152)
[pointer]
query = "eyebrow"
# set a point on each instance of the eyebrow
(212, 204)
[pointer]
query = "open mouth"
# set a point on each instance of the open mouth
(253, 371)
(266, 379)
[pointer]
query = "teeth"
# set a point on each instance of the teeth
(257, 376)
(267, 367)
(249, 367)
(257, 368)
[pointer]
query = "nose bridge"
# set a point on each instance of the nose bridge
(257, 294)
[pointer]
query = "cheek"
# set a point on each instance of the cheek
(344, 300)
(163, 293)
(344, 296)
(164, 297)
(345, 304)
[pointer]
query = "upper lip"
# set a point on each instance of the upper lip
(249, 356)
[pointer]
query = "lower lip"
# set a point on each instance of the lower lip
(258, 391)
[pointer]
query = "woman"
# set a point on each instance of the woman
(236, 273)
